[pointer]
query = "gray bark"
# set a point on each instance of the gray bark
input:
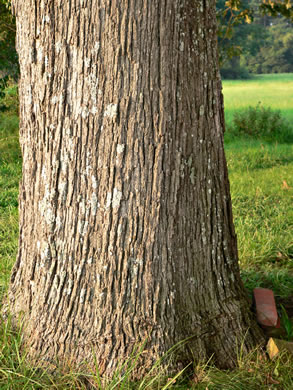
(126, 227)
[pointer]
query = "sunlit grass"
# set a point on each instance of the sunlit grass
(10, 173)
(274, 91)
(253, 371)
(261, 177)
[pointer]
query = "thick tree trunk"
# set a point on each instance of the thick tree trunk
(125, 215)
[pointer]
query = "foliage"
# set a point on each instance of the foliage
(287, 324)
(275, 54)
(8, 55)
(260, 38)
(278, 7)
(277, 279)
(262, 123)
(3, 85)
(230, 14)
(233, 70)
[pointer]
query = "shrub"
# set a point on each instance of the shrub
(234, 72)
(262, 123)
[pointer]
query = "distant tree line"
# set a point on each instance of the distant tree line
(257, 41)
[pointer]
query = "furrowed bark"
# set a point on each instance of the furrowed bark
(126, 227)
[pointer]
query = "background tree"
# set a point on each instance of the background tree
(8, 55)
(253, 39)
(126, 227)
(275, 53)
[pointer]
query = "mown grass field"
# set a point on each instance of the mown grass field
(261, 176)
(274, 91)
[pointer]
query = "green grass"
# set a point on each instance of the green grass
(274, 91)
(253, 372)
(261, 176)
(10, 173)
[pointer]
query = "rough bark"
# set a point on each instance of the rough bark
(125, 215)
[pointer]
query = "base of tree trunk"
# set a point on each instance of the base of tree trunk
(220, 338)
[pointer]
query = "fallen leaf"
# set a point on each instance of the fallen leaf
(272, 348)
(285, 185)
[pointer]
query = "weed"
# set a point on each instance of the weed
(287, 323)
(261, 123)
(278, 280)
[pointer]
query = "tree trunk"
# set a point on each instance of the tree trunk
(125, 215)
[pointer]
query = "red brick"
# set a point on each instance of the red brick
(266, 311)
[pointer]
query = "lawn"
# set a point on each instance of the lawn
(274, 91)
(261, 177)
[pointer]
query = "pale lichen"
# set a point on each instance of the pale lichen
(85, 112)
(46, 253)
(94, 204)
(82, 295)
(46, 19)
(113, 198)
(96, 47)
(49, 216)
(54, 99)
(87, 62)
(117, 195)
(40, 54)
(94, 110)
(82, 227)
(58, 47)
(120, 148)
(94, 182)
(58, 222)
(111, 110)
(82, 206)
(69, 287)
(43, 174)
